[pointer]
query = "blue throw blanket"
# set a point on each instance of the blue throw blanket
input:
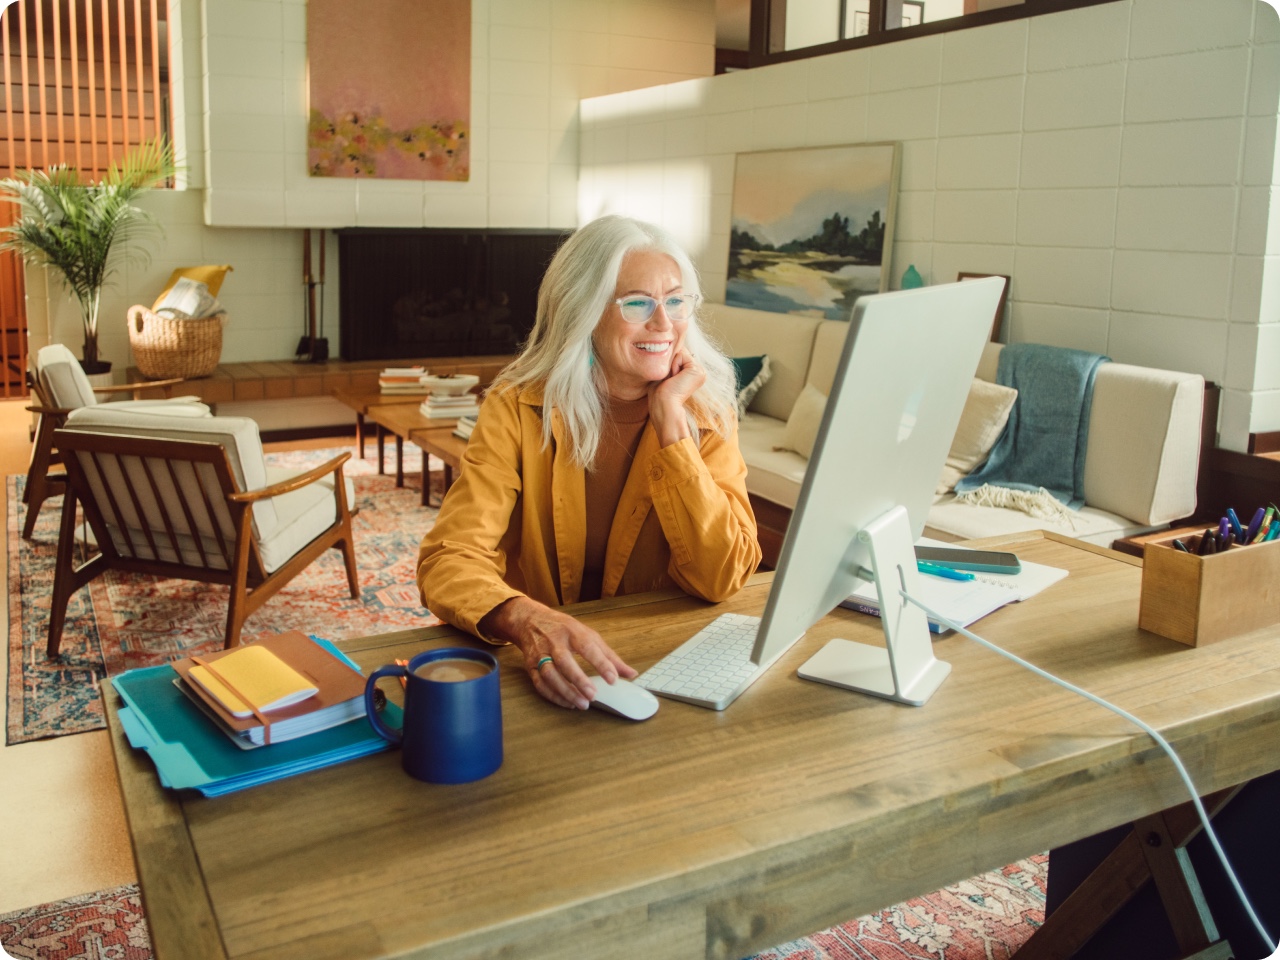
(1044, 443)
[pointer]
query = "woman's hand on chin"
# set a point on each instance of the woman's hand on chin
(669, 398)
(540, 631)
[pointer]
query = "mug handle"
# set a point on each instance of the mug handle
(380, 728)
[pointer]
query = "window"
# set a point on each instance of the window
(792, 29)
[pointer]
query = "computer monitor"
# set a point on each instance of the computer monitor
(908, 362)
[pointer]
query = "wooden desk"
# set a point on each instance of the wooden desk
(710, 835)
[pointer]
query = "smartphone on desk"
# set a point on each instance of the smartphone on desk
(958, 558)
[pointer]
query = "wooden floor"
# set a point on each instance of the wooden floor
(63, 827)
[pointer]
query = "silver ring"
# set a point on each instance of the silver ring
(542, 662)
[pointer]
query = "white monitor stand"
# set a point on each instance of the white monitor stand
(905, 669)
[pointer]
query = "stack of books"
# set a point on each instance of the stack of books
(402, 380)
(439, 406)
(197, 741)
(464, 426)
(291, 682)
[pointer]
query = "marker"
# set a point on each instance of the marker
(1254, 524)
(1264, 527)
(945, 572)
(1235, 523)
(1224, 527)
(1179, 545)
(1274, 532)
(1203, 546)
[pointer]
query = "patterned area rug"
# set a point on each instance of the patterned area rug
(986, 918)
(122, 621)
(93, 926)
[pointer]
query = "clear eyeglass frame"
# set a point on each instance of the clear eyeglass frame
(638, 307)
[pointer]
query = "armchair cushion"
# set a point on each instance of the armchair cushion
(63, 379)
(239, 435)
(301, 516)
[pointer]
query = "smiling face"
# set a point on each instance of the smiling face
(634, 355)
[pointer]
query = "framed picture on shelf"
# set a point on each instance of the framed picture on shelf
(1004, 299)
(811, 228)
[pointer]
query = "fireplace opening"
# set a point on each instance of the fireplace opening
(439, 293)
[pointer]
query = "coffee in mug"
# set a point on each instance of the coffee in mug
(452, 729)
(452, 670)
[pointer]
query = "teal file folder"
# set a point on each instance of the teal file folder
(190, 752)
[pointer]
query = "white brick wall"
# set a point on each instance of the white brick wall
(1119, 161)
(240, 116)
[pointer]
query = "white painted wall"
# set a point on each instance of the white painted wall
(1118, 161)
(239, 92)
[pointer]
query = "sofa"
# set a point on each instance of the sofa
(1142, 459)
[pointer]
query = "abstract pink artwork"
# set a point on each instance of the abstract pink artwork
(390, 89)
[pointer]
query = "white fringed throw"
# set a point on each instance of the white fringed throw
(1040, 504)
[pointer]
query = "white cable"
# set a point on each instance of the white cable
(1145, 728)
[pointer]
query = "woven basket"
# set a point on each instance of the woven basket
(164, 347)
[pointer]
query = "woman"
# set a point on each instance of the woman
(605, 462)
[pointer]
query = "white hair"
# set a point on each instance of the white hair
(577, 289)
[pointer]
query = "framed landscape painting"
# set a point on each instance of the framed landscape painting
(812, 229)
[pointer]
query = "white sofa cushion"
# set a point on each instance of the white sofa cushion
(986, 411)
(786, 339)
(967, 521)
(772, 474)
(828, 345)
(801, 431)
(1143, 457)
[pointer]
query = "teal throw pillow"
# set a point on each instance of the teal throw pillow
(751, 373)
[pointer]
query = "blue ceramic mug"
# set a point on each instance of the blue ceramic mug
(452, 730)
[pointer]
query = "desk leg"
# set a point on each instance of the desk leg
(1150, 851)
(399, 460)
(381, 445)
(426, 479)
(448, 476)
(360, 434)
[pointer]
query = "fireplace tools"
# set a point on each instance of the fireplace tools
(313, 347)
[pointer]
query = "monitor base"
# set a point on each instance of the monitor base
(906, 670)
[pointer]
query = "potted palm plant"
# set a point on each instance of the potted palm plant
(81, 228)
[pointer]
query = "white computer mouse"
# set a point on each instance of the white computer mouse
(624, 698)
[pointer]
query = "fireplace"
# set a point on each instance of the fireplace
(439, 293)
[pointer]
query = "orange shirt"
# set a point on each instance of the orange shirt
(515, 521)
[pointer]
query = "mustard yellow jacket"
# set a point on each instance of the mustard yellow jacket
(514, 522)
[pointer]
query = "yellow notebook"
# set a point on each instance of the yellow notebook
(256, 674)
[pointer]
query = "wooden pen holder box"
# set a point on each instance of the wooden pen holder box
(1197, 600)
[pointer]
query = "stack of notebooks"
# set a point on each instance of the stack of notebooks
(402, 380)
(200, 728)
(464, 426)
(438, 406)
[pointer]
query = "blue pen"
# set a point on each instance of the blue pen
(1236, 528)
(945, 572)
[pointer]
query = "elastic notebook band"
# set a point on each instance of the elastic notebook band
(266, 724)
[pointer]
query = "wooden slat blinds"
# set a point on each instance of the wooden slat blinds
(82, 82)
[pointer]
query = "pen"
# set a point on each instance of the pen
(945, 572)
(1224, 527)
(1263, 528)
(1273, 532)
(1254, 524)
(1232, 519)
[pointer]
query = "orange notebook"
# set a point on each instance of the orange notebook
(335, 682)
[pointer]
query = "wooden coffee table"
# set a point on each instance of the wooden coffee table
(402, 419)
(439, 442)
(361, 400)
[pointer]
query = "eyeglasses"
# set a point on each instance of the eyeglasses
(638, 308)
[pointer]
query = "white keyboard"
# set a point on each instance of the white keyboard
(710, 668)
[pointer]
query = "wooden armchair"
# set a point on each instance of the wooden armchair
(193, 499)
(59, 385)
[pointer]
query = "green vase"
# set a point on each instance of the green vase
(912, 279)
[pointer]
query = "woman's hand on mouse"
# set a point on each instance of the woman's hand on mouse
(539, 631)
(668, 398)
